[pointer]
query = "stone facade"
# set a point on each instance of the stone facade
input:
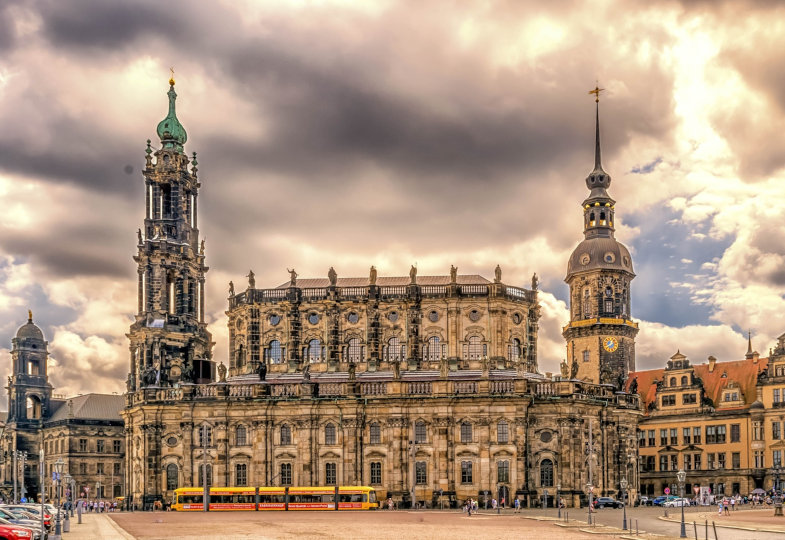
(424, 387)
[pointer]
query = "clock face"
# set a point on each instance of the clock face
(610, 344)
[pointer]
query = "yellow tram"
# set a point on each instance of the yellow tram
(276, 498)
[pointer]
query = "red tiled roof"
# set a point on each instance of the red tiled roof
(744, 372)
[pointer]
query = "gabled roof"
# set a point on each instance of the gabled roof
(88, 407)
(744, 372)
(394, 281)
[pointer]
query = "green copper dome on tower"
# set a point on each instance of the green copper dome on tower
(170, 130)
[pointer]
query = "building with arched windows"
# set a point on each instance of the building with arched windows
(424, 387)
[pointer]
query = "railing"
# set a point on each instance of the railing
(169, 394)
(502, 387)
(393, 291)
(241, 390)
(545, 389)
(353, 291)
(465, 387)
(315, 293)
(433, 290)
(419, 387)
(204, 390)
(516, 292)
(332, 389)
(285, 390)
(373, 389)
(474, 289)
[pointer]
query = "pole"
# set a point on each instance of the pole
(591, 451)
(412, 473)
(624, 510)
(558, 500)
(683, 529)
(16, 477)
(58, 532)
(206, 491)
(42, 476)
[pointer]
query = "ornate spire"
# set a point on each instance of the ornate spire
(29, 315)
(750, 352)
(170, 130)
(598, 178)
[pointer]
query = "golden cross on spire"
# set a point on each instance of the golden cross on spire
(171, 78)
(596, 93)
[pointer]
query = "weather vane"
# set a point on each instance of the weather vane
(171, 79)
(596, 93)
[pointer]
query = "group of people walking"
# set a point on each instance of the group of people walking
(99, 506)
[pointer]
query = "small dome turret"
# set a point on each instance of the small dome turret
(29, 330)
(170, 130)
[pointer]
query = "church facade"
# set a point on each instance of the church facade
(424, 387)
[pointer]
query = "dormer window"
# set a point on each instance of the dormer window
(684, 380)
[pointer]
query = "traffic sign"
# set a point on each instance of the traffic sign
(667, 491)
(696, 489)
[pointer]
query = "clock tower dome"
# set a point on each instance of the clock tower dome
(601, 334)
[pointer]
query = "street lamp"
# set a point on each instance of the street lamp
(681, 476)
(67, 524)
(58, 471)
(623, 484)
(558, 499)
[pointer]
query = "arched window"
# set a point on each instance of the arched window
(171, 477)
(274, 353)
(432, 351)
(33, 407)
(205, 435)
(474, 349)
(673, 381)
(314, 350)
(240, 356)
(684, 380)
(420, 432)
(376, 433)
(502, 432)
(286, 435)
(466, 432)
(240, 437)
(591, 219)
(586, 303)
(354, 351)
(286, 474)
(209, 475)
(329, 434)
(515, 352)
(546, 473)
(393, 352)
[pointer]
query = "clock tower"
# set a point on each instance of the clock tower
(601, 334)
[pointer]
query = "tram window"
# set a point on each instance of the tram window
(271, 498)
(191, 499)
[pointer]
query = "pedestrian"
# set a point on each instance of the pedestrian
(726, 506)
(493, 504)
(517, 505)
(733, 503)
(719, 508)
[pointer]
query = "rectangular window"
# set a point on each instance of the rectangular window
(100, 443)
(241, 474)
(710, 460)
(286, 474)
(376, 434)
(776, 457)
(503, 472)
(696, 435)
(586, 356)
(376, 472)
(721, 460)
(502, 433)
(736, 460)
(696, 459)
(663, 463)
(641, 439)
(466, 432)
(688, 399)
(674, 462)
(651, 438)
(775, 430)
(330, 475)
(83, 468)
(687, 462)
(83, 445)
(663, 437)
(711, 434)
(757, 431)
(759, 461)
(776, 395)
(421, 473)
(686, 435)
(420, 435)
(674, 436)
(735, 433)
(116, 446)
(100, 468)
(466, 472)
(667, 401)
(721, 434)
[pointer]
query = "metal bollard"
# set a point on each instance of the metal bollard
(66, 523)
(695, 526)
(707, 529)
(79, 512)
(714, 526)
(636, 528)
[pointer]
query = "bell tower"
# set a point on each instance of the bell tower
(601, 334)
(169, 340)
(29, 391)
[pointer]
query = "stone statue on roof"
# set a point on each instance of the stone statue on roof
(292, 277)
(139, 235)
(221, 372)
(498, 273)
(332, 275)
(231, 288)
(453, 274)
(372, 276)
(413, 275)
(565, 369)
(251, 279)
(535, 281)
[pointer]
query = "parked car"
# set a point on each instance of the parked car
(644, 501)
(35, 510)
(662, 499)
(602, 502)
(15, 532)
(677, 502)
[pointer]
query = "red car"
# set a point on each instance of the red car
(15, 532)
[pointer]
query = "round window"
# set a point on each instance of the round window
(240, 324)
(171, 441)
(313, 318)
(275, 319)
(610, 257)
(517, 318)
(353, 317)
(393, 316)
(474, 315)
(433, 316)
(546, 436)
(585, 258)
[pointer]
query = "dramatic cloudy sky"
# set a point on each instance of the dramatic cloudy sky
(356, 133)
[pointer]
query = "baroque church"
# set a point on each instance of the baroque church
(425, 387)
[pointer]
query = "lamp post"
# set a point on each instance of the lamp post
(67, 524)
(623, 484)
(58, 471)
(681, 476)
(413, 468)
(558, 498)
(589, 490)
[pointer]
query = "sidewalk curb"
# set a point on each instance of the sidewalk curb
(122, 532)
(728, 526)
